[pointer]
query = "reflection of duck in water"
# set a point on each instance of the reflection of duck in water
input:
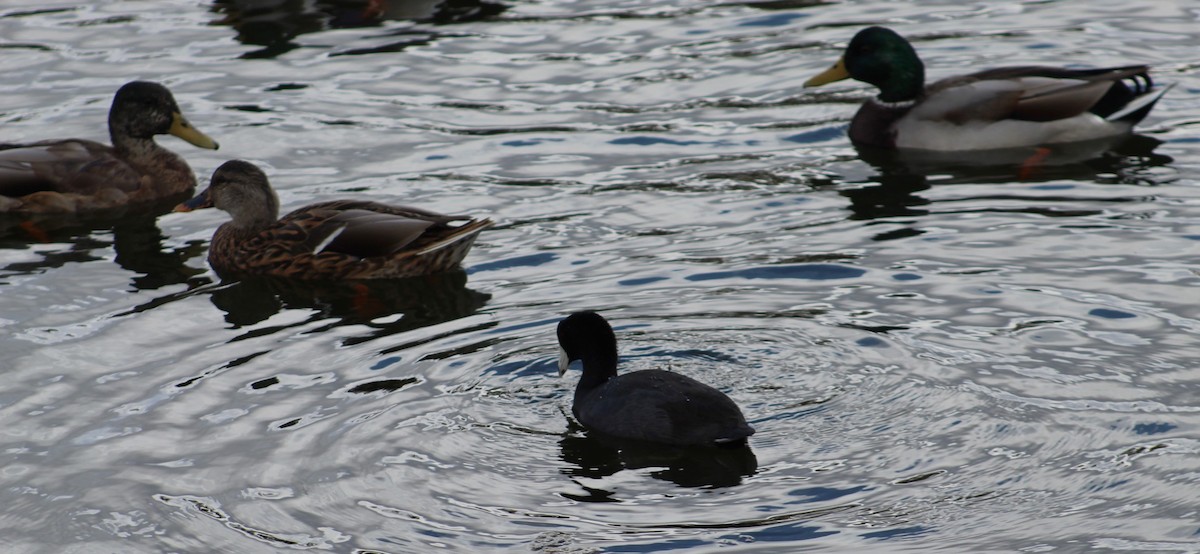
(421, 301)
(76, 176)
(341, 239)
(1008, 107)
(1123, 155)
(274, 23)
(595, 456)
(440, 12)
(136, 243)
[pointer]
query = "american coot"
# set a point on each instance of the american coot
(1006, 107)
(340, 239)
(650, 405)
(82, 176)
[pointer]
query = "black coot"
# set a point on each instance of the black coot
(649, 405)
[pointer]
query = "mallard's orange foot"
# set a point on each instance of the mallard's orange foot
(1033, 163)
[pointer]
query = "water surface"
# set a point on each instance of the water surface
(938, 357)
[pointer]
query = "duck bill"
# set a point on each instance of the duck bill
(831, 75)
(564, 361)
(201, 201)
(184, 130)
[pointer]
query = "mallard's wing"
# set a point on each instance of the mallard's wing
(1033, 93)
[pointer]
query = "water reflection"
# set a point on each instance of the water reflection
(136, 240)
(386, 307)
(894, 195)
(893, 192)
(595, 456)
(1124, 156)
(138, 244)
(273, 24)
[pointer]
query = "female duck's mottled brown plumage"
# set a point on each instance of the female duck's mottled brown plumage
(341, 239)
(80, 176)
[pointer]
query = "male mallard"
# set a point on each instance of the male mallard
(340, 239)
(1007, 107)
(76, 175)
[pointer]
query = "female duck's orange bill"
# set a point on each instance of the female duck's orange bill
(202, 200)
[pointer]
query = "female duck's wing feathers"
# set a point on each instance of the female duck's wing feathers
(363, 229)
(365, 233)
(454, 238)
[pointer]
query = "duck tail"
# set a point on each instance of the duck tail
(465, 232)
(1139, 108)
(1131, 96)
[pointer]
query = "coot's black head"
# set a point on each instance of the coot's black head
(587, 336)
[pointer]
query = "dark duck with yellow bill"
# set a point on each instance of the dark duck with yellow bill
(77, 176)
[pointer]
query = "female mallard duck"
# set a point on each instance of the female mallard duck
(340, 239)
(78, 176)
(652, 405)
(1007, 107)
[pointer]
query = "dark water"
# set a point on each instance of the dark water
(938, 357)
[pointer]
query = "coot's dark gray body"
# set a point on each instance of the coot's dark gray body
(651, 405)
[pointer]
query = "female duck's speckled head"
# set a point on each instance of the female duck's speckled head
(242, 189)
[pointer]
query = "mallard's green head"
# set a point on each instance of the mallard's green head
(879, 56)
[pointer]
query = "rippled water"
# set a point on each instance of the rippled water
(937, 357)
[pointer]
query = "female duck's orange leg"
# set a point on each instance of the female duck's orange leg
(34, 231)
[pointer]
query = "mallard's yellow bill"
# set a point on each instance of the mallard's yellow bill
(184, 130)
(831, 75)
